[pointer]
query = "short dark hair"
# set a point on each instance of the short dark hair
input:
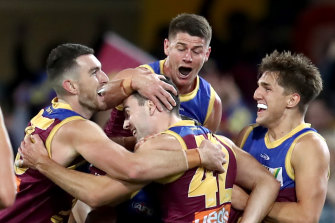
(141, 99)
(61, 59)
(194, 25)
(296, 73)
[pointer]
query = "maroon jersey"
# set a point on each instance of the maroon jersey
(198, 195)
(38, 199)
(113, 128)
(114, 125)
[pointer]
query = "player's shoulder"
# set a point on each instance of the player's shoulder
(80, 128)
(310, 150)
(312, 143)
(225, 140)
(145, 68)
(159, 141)
(248, 128)
(244, 133)
(81, 122)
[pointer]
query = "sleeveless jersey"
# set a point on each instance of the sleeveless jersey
(38, 199)
(198, 195)
(276, 156)
(197, 104)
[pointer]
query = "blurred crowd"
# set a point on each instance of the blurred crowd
(300, 26)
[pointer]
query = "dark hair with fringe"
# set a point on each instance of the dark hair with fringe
(296, 73)
(62, 59)
(194, 25)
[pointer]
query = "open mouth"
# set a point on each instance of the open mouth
(185, 70)
(262, 107)
(101, 91)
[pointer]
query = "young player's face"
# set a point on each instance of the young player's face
(186, 55)
(91, 78)
(271, 100)
(137, 118)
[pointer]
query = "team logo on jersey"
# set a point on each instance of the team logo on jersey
(49, 110)
(277, 173)
(264, 156)
(216, 215)
(142, 208)
(194, 128)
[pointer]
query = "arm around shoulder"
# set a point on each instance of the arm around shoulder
(163, 156)
(252, 176)
(155, 162)
(158, 157)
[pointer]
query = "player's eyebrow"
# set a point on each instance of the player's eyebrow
(94, 69)
(184, 45)
(263, 84)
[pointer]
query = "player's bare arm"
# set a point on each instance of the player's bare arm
(252, 176)
(93, 190)
(310, 160)
(264, 188)
(240, 196)
(8, 187)
(96, 148)
(122, 164)
(145, 82)
(170, 143)
(101, 189)
(214, 119)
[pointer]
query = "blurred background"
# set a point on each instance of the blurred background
(126, 33)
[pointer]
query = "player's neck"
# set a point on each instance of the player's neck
(76, 106)
(283, 127)
(173, 120)
(166, 120)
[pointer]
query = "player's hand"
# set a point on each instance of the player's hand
(32, 152)
(150, 86)
(211, 155)
(143, 140)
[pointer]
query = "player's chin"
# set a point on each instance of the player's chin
(102, 106)
(102, 103)
(184, 81)
(258, 118)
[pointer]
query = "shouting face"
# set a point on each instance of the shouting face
(186, 55)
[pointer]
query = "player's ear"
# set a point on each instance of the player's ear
(166, 46)
(293, 100)
(208, 52)
(152, 107)
(70, 86)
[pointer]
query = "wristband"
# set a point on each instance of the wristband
(126, 86)
(184, 152)
(193, 158)
(197, 149)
